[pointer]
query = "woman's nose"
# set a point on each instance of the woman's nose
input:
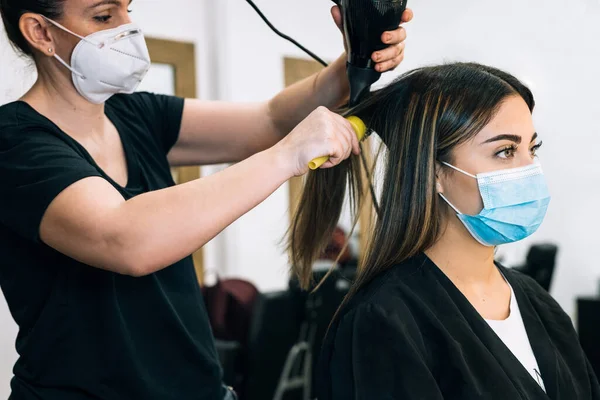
(525, 159)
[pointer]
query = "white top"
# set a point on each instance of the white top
(513, 334)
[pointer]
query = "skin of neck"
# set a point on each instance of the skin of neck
(462, 258)
(471, 268)
(54, 96)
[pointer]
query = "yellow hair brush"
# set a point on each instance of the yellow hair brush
(359, 128)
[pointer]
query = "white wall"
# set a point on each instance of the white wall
(251, 67)
(549, 45)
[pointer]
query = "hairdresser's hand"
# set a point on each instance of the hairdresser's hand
(387, 59)
(322, 133)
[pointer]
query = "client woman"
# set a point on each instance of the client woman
(431, 315)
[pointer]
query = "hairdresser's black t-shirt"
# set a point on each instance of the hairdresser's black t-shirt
(85, 333)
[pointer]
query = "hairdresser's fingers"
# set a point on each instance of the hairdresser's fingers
(341, 143)
(353, 146)
(389, 58)
(335, 155)
(339, 155)
(336, 13)
(394, 37)
(350, 134)
(388, 53)
(391, 64)
(407, 16)
(343, 139)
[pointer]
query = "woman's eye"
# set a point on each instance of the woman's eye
(507, 152)
(102, 18)
(535, 149)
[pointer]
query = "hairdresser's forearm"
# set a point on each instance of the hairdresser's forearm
(328, 88)
(162, 227)
(222, 132)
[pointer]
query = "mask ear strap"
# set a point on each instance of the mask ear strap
(450, 204)
(458, 169)
(62, 27)
(56, 55)
(68, 66)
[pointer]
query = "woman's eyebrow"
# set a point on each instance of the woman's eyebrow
(513, 138)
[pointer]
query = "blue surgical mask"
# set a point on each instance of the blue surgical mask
(514, 204)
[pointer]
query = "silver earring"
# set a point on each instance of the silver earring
(50, 50)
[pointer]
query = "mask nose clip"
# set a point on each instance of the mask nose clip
(128, 33)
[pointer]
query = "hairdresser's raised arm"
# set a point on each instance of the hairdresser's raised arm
(91, 222)
(216, 132)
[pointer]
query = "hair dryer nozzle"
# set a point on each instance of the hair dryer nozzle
(364, 23)
(360, 80)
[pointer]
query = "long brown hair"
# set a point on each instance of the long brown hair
(420, 118)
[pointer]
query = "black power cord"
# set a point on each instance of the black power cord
(283, 35)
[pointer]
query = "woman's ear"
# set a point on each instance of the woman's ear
(439, 173)
(35, 31)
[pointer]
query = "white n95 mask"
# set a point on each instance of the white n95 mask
(108, 62)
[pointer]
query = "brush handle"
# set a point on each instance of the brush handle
(317, 162)
(359, 128)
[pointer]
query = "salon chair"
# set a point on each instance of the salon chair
(588, 329)
(273, 332)
(280, 324)
(540, 263)
(318, 311)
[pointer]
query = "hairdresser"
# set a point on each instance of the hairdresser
(95, 238)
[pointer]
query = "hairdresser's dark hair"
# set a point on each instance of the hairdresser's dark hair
(12, 10)
(420, 118)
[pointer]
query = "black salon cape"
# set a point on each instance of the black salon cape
(411, 334)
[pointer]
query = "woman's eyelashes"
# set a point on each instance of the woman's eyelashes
(105, 18)
(102, 18)
(509, 151)
(534, 149)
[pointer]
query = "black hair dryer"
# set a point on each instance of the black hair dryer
(364, 23)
